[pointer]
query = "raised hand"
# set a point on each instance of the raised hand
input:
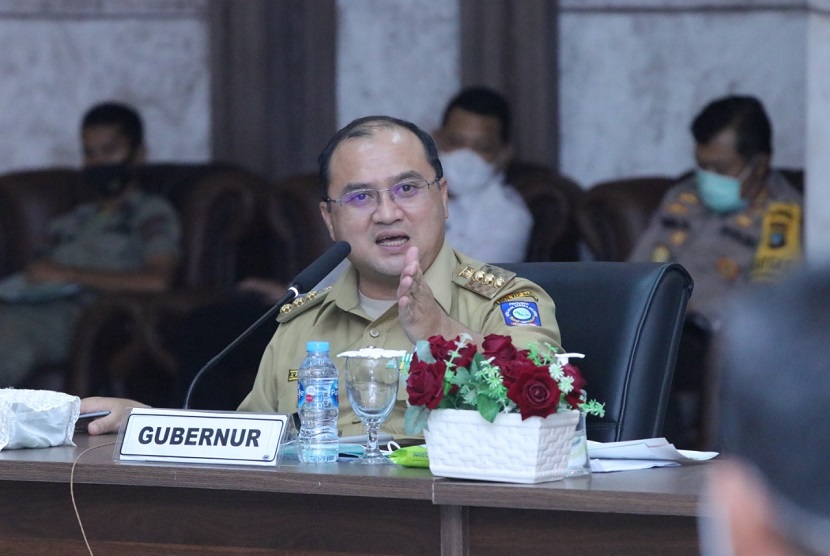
(420, 314)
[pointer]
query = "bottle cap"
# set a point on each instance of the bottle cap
(316, 346)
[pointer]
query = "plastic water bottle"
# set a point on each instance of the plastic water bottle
(317, 403)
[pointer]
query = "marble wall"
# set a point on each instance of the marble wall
(817, 207)
(397, 57)
(634, 74)
(61, 57)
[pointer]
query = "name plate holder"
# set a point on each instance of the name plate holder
(200, 437)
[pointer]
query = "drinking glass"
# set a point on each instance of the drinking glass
(372, 377)
(578, 462)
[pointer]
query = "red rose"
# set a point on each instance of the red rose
(500, 347)
(536, 393)
(425, 384)
(440, 347)
(512, 369)
(465, 356)
(579, 382)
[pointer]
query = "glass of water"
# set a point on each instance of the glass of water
(372, 377)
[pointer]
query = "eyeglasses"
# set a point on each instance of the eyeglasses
(405, 194)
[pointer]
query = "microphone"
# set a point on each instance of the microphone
(305, 280)
(319, 269)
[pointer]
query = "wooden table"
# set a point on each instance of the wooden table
(307, 509)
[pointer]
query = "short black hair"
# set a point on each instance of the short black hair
(774, 393)
(744, 114)
(484, 102)
(365, 127)
(116, 113)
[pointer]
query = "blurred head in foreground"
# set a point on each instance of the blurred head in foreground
(771, 494)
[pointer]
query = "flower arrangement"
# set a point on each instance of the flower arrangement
(453, 374)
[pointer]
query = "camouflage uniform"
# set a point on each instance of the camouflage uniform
(720, 251)
(36, 333)
(490, 301)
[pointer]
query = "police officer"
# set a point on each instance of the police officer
(125, 240)
(383, 192)
(735, 220)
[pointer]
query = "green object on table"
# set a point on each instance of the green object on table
(411, 456)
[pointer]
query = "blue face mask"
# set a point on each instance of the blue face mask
(722, 193)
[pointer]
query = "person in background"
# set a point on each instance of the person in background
(733, 222)
(771, 494)
(488, 218)
(383, 191)
(126, 240)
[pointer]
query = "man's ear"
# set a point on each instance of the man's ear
(325, 212)
(757, 176)
(445, 197)
(763, 165)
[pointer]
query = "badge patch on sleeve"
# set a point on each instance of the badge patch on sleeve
(521, 313)
(293, 375)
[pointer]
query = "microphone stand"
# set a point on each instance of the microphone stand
(292, 293)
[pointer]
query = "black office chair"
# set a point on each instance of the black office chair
(627, 319)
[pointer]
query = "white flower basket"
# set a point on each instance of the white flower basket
(463, 445)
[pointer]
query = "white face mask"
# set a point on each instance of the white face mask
(466, 171)
(37, 418)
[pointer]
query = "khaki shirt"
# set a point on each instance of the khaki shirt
(718, 250)
(32, 334)
(143, 225)
(337, 317)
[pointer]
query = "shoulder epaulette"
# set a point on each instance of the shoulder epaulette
(301, 304)
(486, 280)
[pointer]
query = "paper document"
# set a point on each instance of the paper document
(609, 465)
(640, 454)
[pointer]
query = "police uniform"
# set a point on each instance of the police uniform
(143, 225)
(487, 299)
(722, 251)
(35, 333)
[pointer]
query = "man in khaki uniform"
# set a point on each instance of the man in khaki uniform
(337, 316)
(384, 192)
(405, 283)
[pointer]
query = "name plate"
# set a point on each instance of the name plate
(188, 436)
